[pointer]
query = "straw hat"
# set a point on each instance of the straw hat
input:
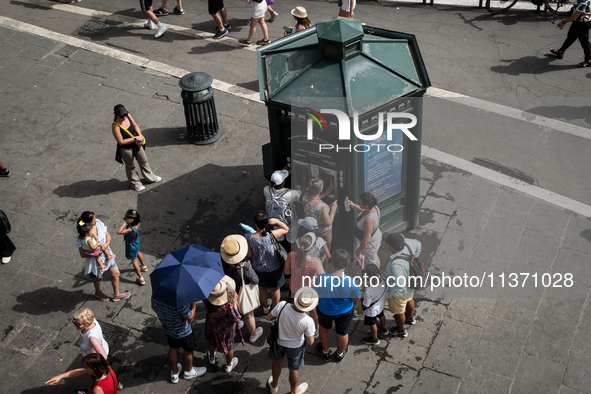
(299, 12)
(219, 295)
(306, 299)
(234, 249)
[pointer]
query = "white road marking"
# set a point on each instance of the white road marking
(430, 153)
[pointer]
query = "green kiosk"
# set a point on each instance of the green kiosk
(345, 105)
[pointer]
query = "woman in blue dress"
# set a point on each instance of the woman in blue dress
(130, 229)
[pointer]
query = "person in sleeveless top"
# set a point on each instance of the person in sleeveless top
(104, 378)
(367, 229)
(301, 17)
(319, 210)
(130, 147)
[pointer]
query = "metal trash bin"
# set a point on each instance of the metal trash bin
(200, 113)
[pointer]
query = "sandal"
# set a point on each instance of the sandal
(584, 64)
(557, 53)
(263, 42)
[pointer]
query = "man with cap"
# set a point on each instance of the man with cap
(277, 188)
(402, 296)
(175, 324)
(296, 329)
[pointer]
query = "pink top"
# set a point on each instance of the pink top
(297, 274)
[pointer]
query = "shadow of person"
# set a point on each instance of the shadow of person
(565, 112)
(89, 188)
(529, 65)
(48, 300)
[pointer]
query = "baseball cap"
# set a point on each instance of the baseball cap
(395, 240)
(310, 223)
(279, 176)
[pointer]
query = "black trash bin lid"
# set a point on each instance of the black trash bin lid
(195, 82)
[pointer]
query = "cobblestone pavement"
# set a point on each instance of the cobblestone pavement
(56, 105)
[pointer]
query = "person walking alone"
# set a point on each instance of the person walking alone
(579, 30)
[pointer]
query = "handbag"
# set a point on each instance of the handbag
(139, 144)
(248, 297)
(274, 335)
(280, 251)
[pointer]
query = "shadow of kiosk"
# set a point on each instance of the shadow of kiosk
(329, 90)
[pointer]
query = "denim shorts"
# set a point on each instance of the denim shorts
(295, 356)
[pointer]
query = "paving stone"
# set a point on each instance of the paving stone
(451, 184)
(514, 201)
(453, 348)
(389, 378)
(502, 228)
(566, 390)
(577, 372)
(522, 311)
(471, 310)
(480, 195)
(549, 341)
(439, 204)
(404, 353)
(547, 218)
(575, 263)
(506, 331)
(468, 220)
(500, 358)
(430, 381)
(538, 248)
(433, 221)
(454, 251)
(578, 235)
(477, 381)
(536, 375)
(33, 52)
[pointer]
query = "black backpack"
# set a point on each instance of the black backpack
(416, 271)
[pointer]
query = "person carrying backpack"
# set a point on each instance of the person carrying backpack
(399, 271)
(279, 199)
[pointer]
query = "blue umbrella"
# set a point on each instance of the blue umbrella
(186, 275)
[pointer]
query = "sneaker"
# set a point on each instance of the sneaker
(158, 179)
(394, 331)
(257, 334)
(5, 260)
(410, 322)
(320, 350)
(263, 42)
(211, 359)
(149, 25)
(179, 11)
(144, 269)
(233, 365)
(370, 341)
(141, 281)
(121, 296)
(384, 331)
(101, 296)
(220, 33)
(273, 16)
(194, 373)
(245, 43)
(140, 189)
(175, 378)
(303, 387)
(227, 27)
(341, 357)
(269, 304)
(5, 172)
(161, 12)
(273, 390)
(161, 30)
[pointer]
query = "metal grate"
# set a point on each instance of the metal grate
(92, 29)
(113, 334)
(67, 51)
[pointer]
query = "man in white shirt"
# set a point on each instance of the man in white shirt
(296, 329)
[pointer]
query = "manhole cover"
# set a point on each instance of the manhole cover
(27, 338)
(67, 51)
(113, 334)
(92, 29)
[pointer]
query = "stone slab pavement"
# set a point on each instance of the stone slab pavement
(56, 140)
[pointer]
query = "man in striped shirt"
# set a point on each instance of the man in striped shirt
(175, 324)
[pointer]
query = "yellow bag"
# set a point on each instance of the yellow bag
(139, 144)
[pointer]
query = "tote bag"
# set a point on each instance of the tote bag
(248, 297)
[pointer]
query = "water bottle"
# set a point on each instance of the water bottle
(248, 228)
(347, 206)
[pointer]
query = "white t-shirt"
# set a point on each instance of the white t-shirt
(293, 326)
(90, 262)
(86, 346)
(372, 294)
